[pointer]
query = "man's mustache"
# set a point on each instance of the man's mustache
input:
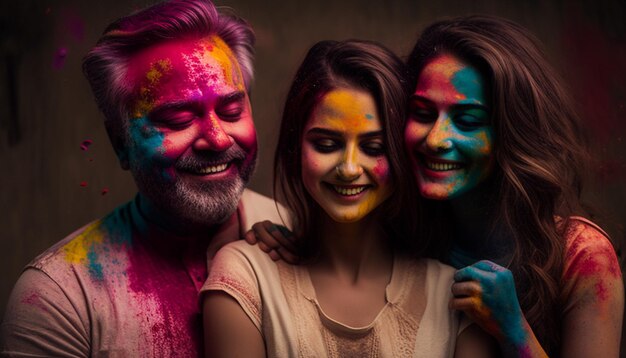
(202, 160)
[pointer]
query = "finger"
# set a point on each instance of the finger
(471, 273)
(250, 237)
(287, 256)
(282, 236)
(274, 255)
(264, 247)
(490, 266)
(264, 235)
(466, 304)
(466, 289)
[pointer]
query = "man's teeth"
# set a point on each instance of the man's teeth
(214, 169)
(348, 191)
(442, 166)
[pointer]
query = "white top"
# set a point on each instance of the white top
(281, 302)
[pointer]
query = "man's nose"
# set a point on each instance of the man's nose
(212, 136)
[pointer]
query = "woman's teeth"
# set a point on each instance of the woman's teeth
(442, 166)
(349, 191)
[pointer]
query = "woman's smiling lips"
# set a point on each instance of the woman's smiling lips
(350, 192)
(438, 167)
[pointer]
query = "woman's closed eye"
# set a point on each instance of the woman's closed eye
(422, 112)
(325, 145)
(471, 119)
(373, 148)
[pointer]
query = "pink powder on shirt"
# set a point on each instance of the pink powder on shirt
(34, 300)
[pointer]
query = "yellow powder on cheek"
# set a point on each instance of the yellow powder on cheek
(484, 143)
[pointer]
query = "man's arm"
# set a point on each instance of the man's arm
(41, 321)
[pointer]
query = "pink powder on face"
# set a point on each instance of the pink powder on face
(381, 169)
(441, 70)
(83, 184)
(104, 191)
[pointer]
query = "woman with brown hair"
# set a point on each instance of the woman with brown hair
(498, 153)
(340, 168)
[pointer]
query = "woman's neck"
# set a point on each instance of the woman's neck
(476, 229)
(351, 250)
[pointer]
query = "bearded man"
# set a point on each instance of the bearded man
(172, 81)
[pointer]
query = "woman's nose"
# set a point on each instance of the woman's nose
(439, 138)
(348, 170)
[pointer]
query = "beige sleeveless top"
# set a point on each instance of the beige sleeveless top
(280, 300)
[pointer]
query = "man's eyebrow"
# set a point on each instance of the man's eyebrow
(232, 97)
(175, 105)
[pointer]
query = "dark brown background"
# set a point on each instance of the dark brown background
(46, 109)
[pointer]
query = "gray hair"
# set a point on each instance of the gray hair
(106, 64)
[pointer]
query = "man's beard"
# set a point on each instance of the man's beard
(197, 204)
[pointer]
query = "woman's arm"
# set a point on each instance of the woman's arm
(228, 331)
(473, 342)
(593, 296)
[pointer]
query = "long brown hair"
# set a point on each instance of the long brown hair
(540, 153)
(328, 65)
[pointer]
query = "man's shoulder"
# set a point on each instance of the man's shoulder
(258, 207)
(83, 247)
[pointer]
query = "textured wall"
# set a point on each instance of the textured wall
(46, 109)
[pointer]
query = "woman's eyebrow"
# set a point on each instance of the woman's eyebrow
(416, 97)
(324, 131)
(333, 133)
(373, 134)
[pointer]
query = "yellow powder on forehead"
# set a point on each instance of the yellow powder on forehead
(145, 103)
(215, 49)
(347, 109)
(157, 69)
(445, 65)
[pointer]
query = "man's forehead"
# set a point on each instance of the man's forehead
(200, 59)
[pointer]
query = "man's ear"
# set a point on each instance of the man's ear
(122, 156)
(116, 136)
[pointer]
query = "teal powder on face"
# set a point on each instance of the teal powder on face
(369, 116)
(467, 81)
(148, 143)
